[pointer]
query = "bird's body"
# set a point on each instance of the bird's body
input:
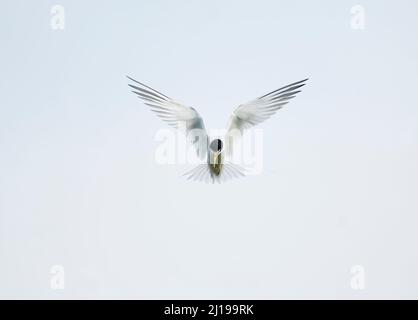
(215, 156)
(247, 115)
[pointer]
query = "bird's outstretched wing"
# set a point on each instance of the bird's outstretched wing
(258, 110)
(175, 114)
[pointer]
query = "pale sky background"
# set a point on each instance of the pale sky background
(79, 186)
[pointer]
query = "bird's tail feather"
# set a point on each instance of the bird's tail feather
(203, 173)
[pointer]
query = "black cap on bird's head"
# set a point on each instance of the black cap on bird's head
(216, 145)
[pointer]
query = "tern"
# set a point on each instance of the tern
(215, 168)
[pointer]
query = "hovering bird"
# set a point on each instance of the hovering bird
(216, 151)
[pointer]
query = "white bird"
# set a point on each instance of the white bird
(247, 115)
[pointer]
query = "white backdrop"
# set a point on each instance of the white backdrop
(80, 189)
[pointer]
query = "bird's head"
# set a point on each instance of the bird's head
(216, 146)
